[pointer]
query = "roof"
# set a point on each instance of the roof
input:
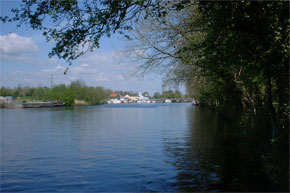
(114, 95)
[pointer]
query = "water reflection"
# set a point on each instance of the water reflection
(194, 152)
(210, 156)
(131, 148)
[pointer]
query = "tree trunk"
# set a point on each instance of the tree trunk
(269, 106)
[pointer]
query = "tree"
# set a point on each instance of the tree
(210, 47)
(177, 94)
(248, 60)
(146, 94)
(78, 88)
(79, 25)
(156, 95)
(6, 92)
(206, 44)
(68, 98)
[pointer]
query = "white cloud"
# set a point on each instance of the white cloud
(27, 80)
(97, 57)
(16, 73)
(96, 69)
(120, 77)
(99, 68)
(85, 65)
(18, 48)
(103, 61)
(13, 44)
(114, 81)
(84, 68)
(101, 77)
(57, 69)
(85, 72)
(53, 60)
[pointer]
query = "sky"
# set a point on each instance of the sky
(25, 61)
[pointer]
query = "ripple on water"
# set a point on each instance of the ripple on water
(108, 148)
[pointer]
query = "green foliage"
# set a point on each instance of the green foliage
(229, 54)
(76, 24)
(146, 94)
(6, 92)
(67, 94)
(96, 95)
(168, 94)
(68, 97)
(242, 66)
(156, 95)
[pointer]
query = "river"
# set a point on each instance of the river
(122, 148)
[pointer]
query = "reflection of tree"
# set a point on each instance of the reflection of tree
(211, 156)
(194, 154)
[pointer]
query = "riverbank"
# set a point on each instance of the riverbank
(20, 103)
(16, 104)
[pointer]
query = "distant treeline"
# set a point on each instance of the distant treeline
(66, 93)
(168, 94)
(75, 90)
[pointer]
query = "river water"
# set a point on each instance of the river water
(121, 148)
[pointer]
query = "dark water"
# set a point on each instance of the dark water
(121, 148)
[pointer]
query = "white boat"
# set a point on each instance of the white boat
(167, 101)
(114, 101)
(123, 100)
(194, 103)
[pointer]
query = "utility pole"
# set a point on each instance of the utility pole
(51, 81)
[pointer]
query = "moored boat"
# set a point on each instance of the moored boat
(36, 104)
(167, 101)
(57, 104)
(42, 104)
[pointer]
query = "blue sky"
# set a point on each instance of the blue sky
(25, 61)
